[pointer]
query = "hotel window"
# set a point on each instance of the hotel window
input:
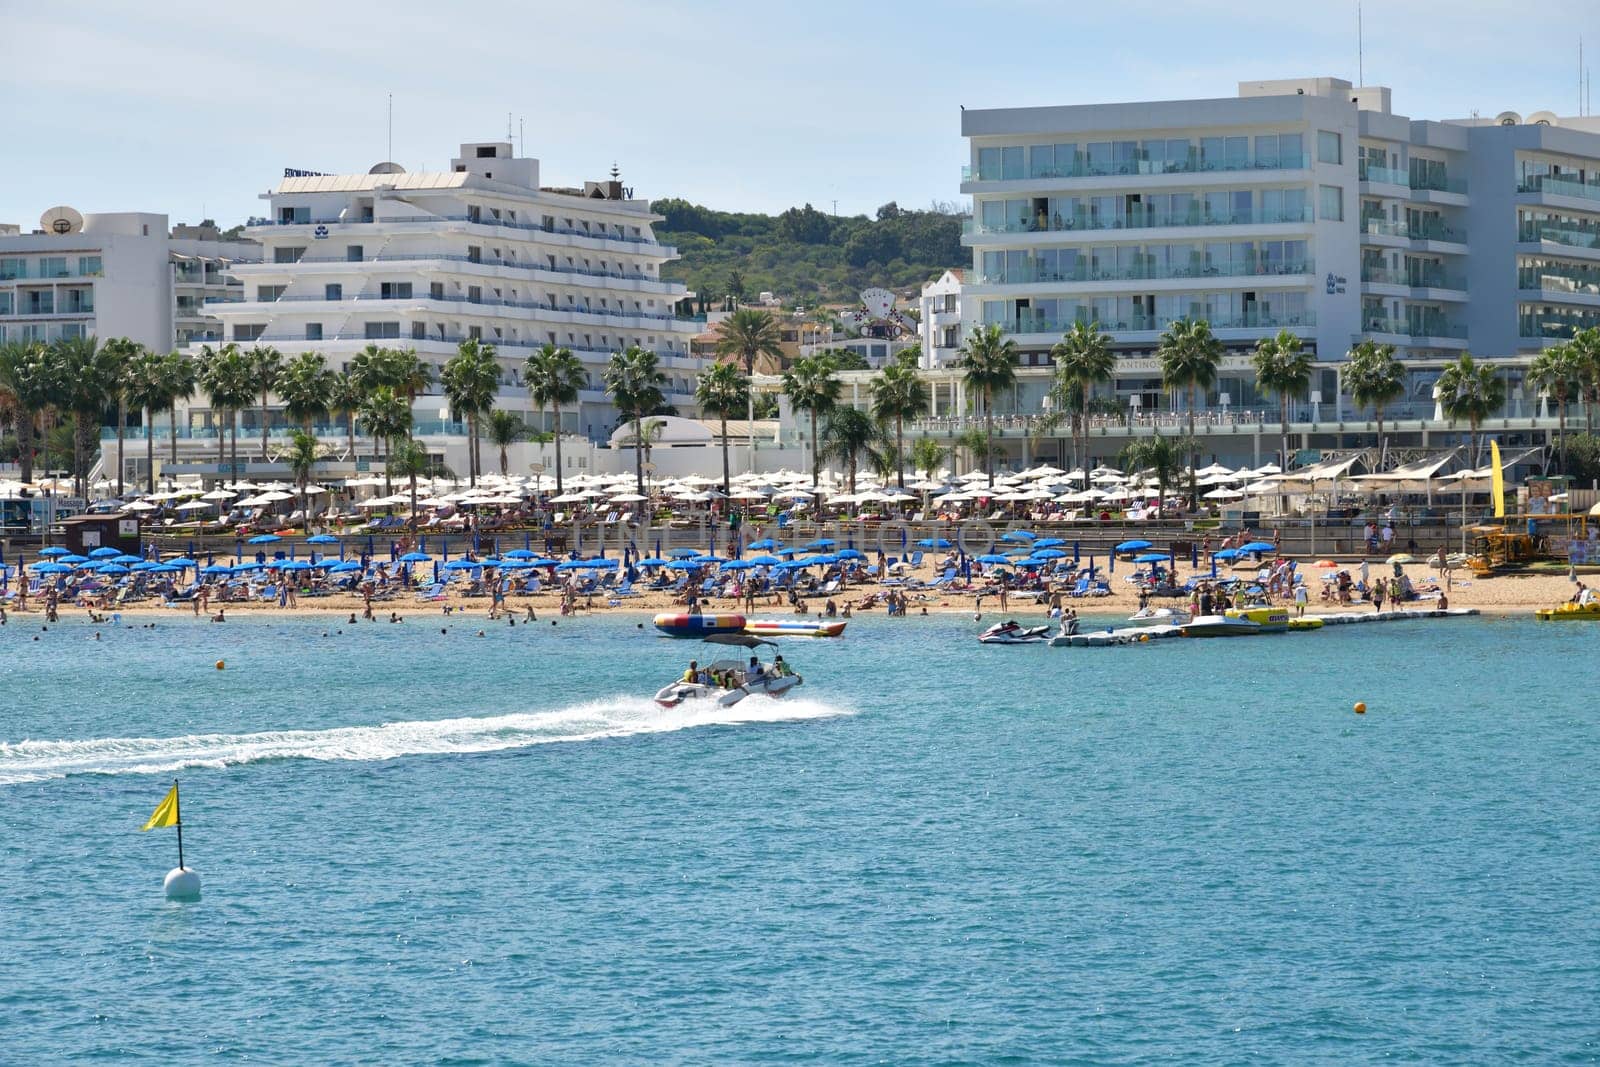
(53, 267)
(12, 268)
(288, 254)
(394, 291)
(333, 291)
(1330, 202)
(419, 331)
(313, 331)
(268, 294)
(475, 332)
(6, 303)
(294, 214)
(474, 294)
(378, 331)
(250, 332)
(474, 254)
(41, 302)
(1329, 148)
(89, 266)
(354, 253)
(1278, 150)
(436, 291)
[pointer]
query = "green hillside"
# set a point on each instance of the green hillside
(804, 255)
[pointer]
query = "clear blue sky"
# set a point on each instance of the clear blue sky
(185, 107)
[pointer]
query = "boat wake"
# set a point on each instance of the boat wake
(35, 761)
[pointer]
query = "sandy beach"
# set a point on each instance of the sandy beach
(1503, 594)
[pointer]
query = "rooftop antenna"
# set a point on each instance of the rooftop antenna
(508, 125)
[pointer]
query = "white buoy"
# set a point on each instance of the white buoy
(182, 883)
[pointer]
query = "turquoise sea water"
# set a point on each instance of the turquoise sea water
(425, 847)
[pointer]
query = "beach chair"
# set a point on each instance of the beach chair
(944, 580)
(432, 594)
(626, 589)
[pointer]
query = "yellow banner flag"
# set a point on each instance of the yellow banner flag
(166, 813)
(1497, 481)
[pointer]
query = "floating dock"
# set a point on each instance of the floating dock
(1135, 635)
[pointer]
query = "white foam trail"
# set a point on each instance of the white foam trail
(34, 761)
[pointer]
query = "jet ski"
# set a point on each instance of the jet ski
(1013, 633)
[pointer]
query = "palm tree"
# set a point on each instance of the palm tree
(180, 377)
(88, 377)
(897, 395)
(302, 456)
(225, 377)
(1189, 353)
(926, 455)
(977, 446)
(412, 374)
(1376, 379)
(988, 362)
(471, 379)
(344, 400)
(149, 389)
(1158, 455)
(634, 380)
(1083, 360)
(386, 416)
(27, 377)
(373, 366)
(122, 354)
(1558, 370)
(265, 363)
(410, 460)
(722, 390)
(505, 428)
(1282, 368)
(305, 385)
(850, 435)
(554, 377)
(747, 334)
(811, 387)
(1472, 391)
(1586, 343)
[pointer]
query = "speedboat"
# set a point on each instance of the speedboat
(1159, 617)
(725, 696)
(734, 680)
(1220, 626)
(795, 627)
(1013, 633)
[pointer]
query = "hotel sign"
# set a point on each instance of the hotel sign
(1153, 366)
(1336, 284)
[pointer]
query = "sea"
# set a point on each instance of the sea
(425, 844)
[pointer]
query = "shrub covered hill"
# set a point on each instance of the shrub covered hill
(805, 255)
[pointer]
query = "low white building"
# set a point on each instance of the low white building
(940, 324)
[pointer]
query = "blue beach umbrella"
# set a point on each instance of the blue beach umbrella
(765, 561)
(766, 544)
(1151, 557)
(147, 565)
(1133, 546)
(819, 544)
(683, 565)
(683, 553)
(416, 557)
(544, 561)
(462, 565)
(850, 553)
(74, 560)
(1048, 542)
(1017, 535)
(993, 558)
(104, 552)
(164, 569)
(345, 567)
(322, 539)
(710, 559)
(53, 550)
(521, 553)
(737, 565)
(1259, 546)
(1049, 553)
(297, 565)
(115, 569)
(1227, 553)
(125, 559)
(933, 542)
(787, 552)
(245, 568)
(217, 569)
(264, 539)
(50, 568)
(653, 561)
(180, 562)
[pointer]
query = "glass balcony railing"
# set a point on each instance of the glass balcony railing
(1437, 183)
(1149, 272)
(1558, 186)
(1430, 326)
(1088, 169)
(481, 220)
(489, 305)
(1562, 326)
(1387, 175)
(1555, 232)
(1250, 320)
(1550, 279)
(1136, 220)
(1427, 230)
(1414, 279)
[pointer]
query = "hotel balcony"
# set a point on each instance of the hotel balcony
(1572, 286)
(461, 306)
(1585, 240)
(484, 266)
(1558, 327)
(1413, 284)
(524, 231)
(1140, 219)
(977, 179)
(1427, 332)
(1036, 329)
(1560, 192)
(1424, 236)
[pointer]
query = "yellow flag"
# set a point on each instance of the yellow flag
(166, 813)
(1498, 481)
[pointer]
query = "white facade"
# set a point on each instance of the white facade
(1302, 204)
(427, 260)
(939, 328)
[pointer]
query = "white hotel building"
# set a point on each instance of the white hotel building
(1303, 204)
(427, 260)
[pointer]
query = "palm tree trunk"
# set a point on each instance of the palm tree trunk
(638, 454)
(25, 444)
(222, 439)
(899, 451)
(388, 482)
(78, 481)
(1382, 444)
(988, 436)
(558, 449)
(305, 514)
(815, 455)
(505, 464)
(264, 417)
(172, 428)
(233, 442)
(472, 448)
(1561, 429)
(725, 489)
(1283, 431)
(122, 422)
(1194, 457)
(413, 496)
(350, 433)
(150, 450)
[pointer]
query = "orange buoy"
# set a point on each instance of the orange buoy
(220, 664)
(1361, 708)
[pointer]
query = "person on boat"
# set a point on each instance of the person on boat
(693, 673)
(754, 675)
(780, 668)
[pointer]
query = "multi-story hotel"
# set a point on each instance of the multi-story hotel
(428, 260)
(1305, 205)
(114, 275)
